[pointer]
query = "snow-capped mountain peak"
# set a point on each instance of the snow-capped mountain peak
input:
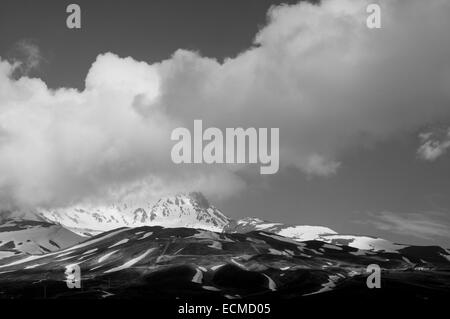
(182, 210)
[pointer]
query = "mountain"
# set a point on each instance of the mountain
(194, 211)
(88, 220)
(296, 232)
(156, 262)
(182, 246)
(182, 210)
(33, 237)
(303, 233)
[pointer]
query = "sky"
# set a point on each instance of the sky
(86, 115)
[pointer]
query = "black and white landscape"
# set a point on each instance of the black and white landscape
(185, 247)
(291, 151)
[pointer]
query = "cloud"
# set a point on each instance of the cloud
(60, 146)
(314, 71)
(434, 144)
(28, 57)
(422, 225)
(320, 166)
(324, 78)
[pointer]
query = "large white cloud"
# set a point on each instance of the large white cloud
(316, 72)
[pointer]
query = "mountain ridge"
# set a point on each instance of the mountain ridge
(193, 210)
(158, 262)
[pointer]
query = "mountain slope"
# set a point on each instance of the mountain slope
(34, 237)
(363, 242)
(88, 220)
(296, 232)
(156, 262)
(304, 233)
